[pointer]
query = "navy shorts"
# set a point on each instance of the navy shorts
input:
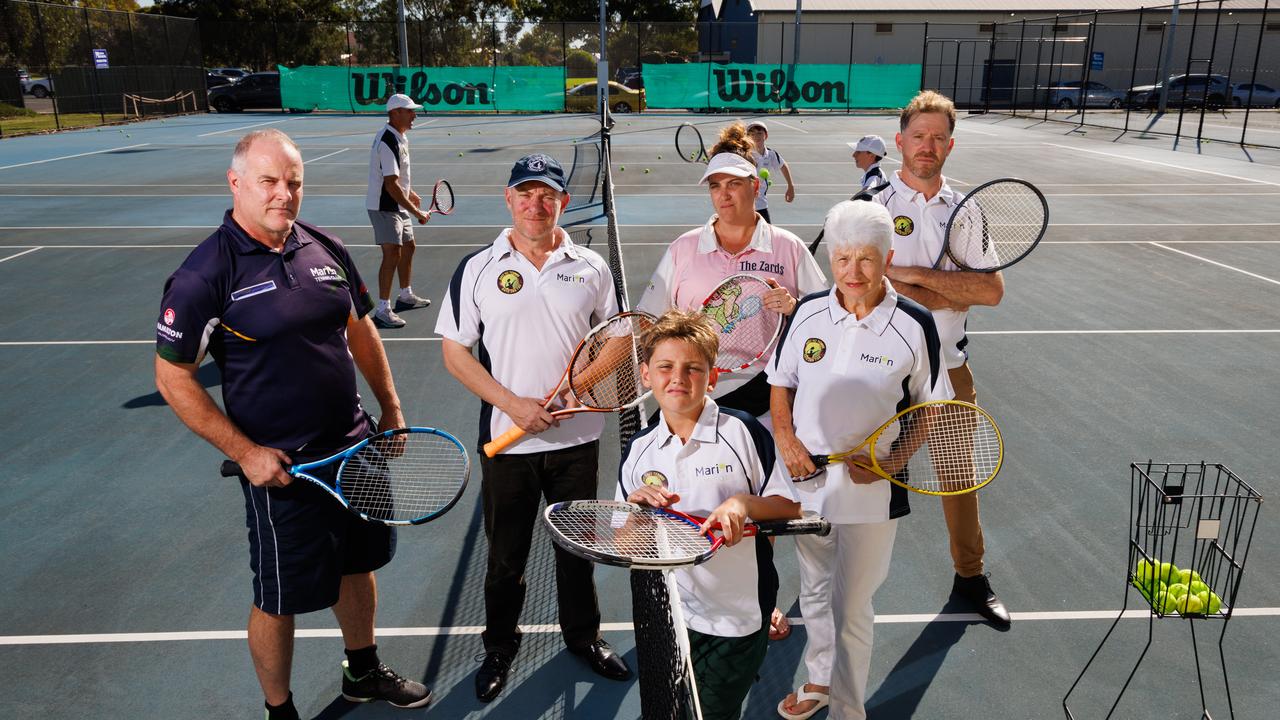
(301, 543)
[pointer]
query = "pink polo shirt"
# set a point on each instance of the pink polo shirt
(695, 264)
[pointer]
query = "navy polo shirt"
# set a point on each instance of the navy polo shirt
(275, 324)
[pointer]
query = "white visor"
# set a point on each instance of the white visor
(729, 164)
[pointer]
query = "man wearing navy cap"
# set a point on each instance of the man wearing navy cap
(280, 306)
(523, 303)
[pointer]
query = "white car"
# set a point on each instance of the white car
(1263, 96)
(40, 87)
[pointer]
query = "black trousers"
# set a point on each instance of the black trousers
(510, 490)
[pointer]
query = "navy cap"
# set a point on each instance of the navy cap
(540, 168)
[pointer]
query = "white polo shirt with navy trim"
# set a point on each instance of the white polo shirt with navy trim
(728, 453)
(920, 228)
(388, 156)
(526, 324)
(772, 162)
(850, 376)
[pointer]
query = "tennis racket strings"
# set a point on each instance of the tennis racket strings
(996, 225)
(403, 477)
(942, 448)
(606, 370)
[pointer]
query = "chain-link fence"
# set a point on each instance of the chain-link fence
(64, 67)
(1220, 61)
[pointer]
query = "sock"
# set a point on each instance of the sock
(363, 661)
(406, 291)
(283, 711)
(384, 304)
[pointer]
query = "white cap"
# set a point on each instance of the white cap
(729, 164)
(873, 144)
(400, 101)
(757, 124)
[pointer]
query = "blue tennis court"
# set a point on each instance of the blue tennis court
(1142, 328)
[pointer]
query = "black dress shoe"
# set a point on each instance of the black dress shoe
(603, 660)
(492, 675)
(977, 590)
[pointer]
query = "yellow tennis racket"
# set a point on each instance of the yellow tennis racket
(941, 447)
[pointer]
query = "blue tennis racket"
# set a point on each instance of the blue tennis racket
(406, 476)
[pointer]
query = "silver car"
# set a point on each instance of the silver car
(1067, 95)
(1262, 96)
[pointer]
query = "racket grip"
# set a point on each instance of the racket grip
(803, 526)
(503, 441)
(231, 469)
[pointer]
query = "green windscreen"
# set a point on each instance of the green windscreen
(741, 86)
(366, 89)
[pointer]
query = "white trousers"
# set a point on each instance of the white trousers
(839, 575)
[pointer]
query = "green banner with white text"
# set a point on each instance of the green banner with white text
(742, 86)
(366, 89)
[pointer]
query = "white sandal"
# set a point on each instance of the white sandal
(820, 700)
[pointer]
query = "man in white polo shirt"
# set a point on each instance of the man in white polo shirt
(524, 303)
(392, 206)
(920, 202)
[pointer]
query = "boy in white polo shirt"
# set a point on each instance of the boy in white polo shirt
(719, 463)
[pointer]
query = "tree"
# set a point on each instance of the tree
(619, 10)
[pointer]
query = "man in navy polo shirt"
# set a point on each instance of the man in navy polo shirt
(280, 306)
(525, 301)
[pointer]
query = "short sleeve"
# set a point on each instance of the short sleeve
(809, 277)
(189, 311)
(607, 300)
(782, 370)
(929, 383)
(659, 293)
(459, 318)
(388, 162)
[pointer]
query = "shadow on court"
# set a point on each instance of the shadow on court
(900, 694)
(208, 376)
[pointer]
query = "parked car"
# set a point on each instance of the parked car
(1211, 91)
(40, 87)
(622, 99)
(1067, 95)
(213, 80)
(257, 91)
(1263, 96)
(631, 77)
(230, 72)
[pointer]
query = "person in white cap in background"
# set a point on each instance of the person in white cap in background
(867, 154)
(771, 163)
(392, 206)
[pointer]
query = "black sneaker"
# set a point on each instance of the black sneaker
(977, 591)
(383, 683)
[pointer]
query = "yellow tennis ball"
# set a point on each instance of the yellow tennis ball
(459, 154)
(646, 171)
(621, 167)
(659, 157)
(1215, 603)
(764, 174)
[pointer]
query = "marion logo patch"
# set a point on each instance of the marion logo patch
(903, 225)
(510, 282)
(169, 316)
(814, 350)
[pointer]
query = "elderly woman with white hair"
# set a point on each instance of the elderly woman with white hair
(852, 358)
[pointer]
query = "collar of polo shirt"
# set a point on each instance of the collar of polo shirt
(761, 238)
(704, 431)
(566, 245)
(877, 320)
(946, 194)
(245, 244)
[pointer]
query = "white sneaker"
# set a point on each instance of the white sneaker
(386, 318)
(410, 302)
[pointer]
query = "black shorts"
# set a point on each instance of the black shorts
(301, 543)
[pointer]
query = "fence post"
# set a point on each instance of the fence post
(1257, 53)
(97, 87)
(990, 70)
(848, 100)
(1035, 82)
(924, 55)
(168, 56)
(1191, 47)
(1088, 68)
(133, 59)
(1053, 51)
(1017, 69)
(48, 69)
(1213, 52)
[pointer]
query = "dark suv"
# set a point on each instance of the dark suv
(1190, 90)
(258, 91)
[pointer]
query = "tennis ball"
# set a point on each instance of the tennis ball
(646, 171)
(659, 157)
(1144, 572)
(1168, 573)
(1197, 587)
(1165, 604)
(1188, 576)
(1215, 604)
(621, 167)
(1177, 590)
(764, 174)
(1190, 604)
(459, 154)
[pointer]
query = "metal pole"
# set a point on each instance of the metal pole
(1133, 71)
(1208, 80)
(1088, 68)
(1231, 59)
(602, 67)
(848, 101)
(1053, 51)
(1191, 46)
(1257, 52)
(1162, 76)
(97, 87)
(1017, 69)
(924, 55)
(795, 51)
(1035, 82)
(48, 71)
(402, 33)
(990, 71)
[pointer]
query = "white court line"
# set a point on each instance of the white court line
(1221, 265)
(41, 343)
(920, 618)
(793, 127)
(1184, 168)
(68, 157)
(392, 339)
(245, 127)
(24, 252)
(335, 152)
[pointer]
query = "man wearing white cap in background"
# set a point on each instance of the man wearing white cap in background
(867, 154)
(392, 206)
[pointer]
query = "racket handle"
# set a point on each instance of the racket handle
(503, 441)
(802, 526)
(231, 469)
